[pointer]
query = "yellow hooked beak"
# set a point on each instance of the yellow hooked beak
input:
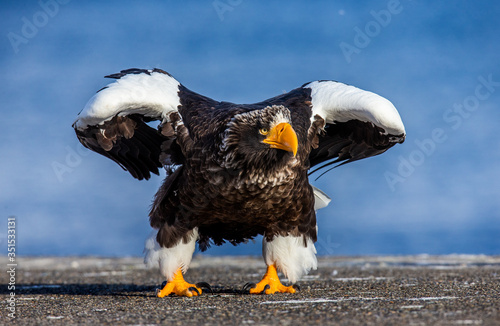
(282, 136)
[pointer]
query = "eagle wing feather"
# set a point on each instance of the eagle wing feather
(353, 123)
(114, 122)
(356, 124)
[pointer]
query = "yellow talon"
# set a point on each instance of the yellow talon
(178, 286)
(272, 282)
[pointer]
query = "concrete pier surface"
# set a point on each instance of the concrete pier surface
(404, 290)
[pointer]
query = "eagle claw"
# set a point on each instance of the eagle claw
(177, 285)
(270, 284)
(192, 288)
(204, 285)
(248, 286)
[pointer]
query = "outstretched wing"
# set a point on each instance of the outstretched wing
(114, 121)
(355, 123)
(347, 123)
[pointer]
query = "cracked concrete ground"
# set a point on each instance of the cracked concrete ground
(406, 290)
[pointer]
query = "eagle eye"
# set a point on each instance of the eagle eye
(264, 131)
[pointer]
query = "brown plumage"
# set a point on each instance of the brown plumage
(218, 191)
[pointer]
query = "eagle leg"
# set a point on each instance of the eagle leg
(179, 286)
(270, 283)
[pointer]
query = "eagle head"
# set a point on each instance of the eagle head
(260, 138)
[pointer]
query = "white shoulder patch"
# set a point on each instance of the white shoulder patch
(154, 95)
(335, 101)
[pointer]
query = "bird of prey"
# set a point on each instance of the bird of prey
(234, 171)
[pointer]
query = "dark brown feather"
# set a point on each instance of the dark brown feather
(128, 141)
(345, 142)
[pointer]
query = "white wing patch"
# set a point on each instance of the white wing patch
(335, 101)
(152, 95)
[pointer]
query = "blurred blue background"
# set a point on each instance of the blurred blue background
(438, 62)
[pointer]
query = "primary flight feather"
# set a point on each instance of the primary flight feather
(234, 171)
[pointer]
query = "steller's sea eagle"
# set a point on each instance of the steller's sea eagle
(234, 171)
